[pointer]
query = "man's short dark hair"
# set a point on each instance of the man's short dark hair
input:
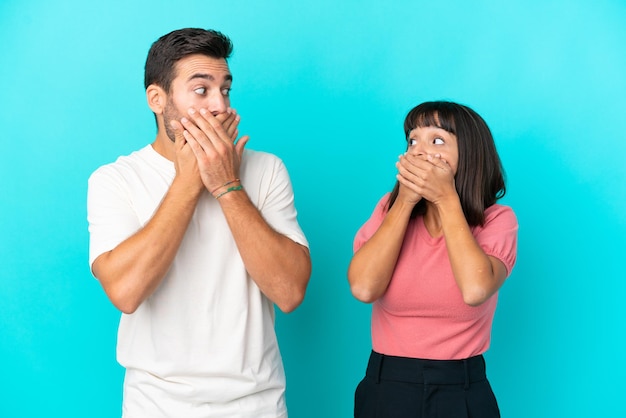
(171, 48)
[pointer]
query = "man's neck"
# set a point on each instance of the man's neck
(164, 146)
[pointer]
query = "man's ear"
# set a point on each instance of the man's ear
(157, 98)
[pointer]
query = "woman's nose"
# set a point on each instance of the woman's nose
(417, 148)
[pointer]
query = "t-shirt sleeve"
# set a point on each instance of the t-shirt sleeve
(370, 227)
(278, 204)
(498, 236)
(110, 214)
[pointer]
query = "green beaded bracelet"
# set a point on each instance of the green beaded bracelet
(230, 189)
(225, 184)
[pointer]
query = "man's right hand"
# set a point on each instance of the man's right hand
(185, 161)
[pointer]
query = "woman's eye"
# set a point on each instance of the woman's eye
(438, 141)
(200, 90)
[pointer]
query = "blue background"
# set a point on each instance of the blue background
(325, 85)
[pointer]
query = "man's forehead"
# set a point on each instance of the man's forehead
(202, 66)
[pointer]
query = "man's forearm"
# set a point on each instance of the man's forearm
(279, 266)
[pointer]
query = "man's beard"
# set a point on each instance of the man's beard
(170, 113)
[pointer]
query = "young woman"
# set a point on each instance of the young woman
(431, 258)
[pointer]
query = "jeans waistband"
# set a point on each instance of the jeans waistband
(436, 372)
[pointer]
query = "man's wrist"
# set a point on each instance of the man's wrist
(229, 186)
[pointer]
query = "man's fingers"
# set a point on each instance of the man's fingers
(179, 138)
(239, 146)
(196, 148)
(233, 130)
(216, 131)
(229, 120)
(220, 128)
(231, 125)
(201, 131)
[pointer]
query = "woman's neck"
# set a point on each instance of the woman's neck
(432, 221)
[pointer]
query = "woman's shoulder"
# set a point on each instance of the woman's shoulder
(383, 201)
(498, 208)
(501, 214)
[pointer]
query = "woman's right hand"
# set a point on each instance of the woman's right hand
(407, 178)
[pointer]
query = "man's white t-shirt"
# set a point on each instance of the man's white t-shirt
(203, 344)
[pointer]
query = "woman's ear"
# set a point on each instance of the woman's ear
(157, 98)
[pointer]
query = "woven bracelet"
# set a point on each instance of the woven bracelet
(225, 184)
(230, 189)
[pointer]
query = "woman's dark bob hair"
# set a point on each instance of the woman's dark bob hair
(479, 178)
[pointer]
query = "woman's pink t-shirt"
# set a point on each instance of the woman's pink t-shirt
(422, 314)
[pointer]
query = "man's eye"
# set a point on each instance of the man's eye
(226, 92)
(200, 90)
(438, 141)
(412, 142)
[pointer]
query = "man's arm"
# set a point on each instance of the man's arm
(134, 269)
(279, 266)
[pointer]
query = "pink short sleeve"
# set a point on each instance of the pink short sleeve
(498, 236)
(370, 227)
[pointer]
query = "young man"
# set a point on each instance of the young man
(195, 239)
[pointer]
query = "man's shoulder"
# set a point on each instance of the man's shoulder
(260, 160)
(260, 155)
(126, 163)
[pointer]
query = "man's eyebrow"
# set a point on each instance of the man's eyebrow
(209, 77)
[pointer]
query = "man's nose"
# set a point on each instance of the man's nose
(217, 104)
